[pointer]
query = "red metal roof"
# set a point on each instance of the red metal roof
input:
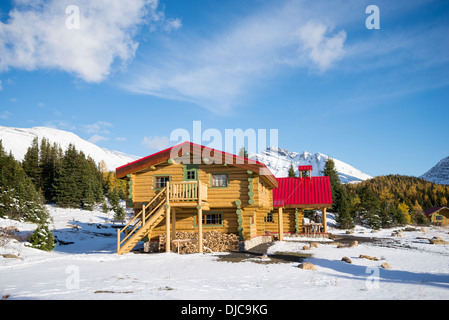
(305, 168)
(302, 191)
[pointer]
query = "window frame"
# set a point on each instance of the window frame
(155, 177)
(219, 213)
(211, 182)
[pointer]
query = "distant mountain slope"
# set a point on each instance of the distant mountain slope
(439, 173)
(278, 160)
(18, 140)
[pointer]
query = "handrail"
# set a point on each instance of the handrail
(155, 209)
(187, 191)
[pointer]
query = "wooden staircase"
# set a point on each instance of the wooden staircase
(143, 223)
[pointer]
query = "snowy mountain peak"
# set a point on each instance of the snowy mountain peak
(278, 160)
(439, 173)
(17, 140)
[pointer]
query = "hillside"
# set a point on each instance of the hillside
(17, 140)
(278, 160)
(439, 173)
(406, 189)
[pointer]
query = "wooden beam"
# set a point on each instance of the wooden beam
(173, 223)
(323, 220)
(167, 221)
(200, 220)
(281, 224)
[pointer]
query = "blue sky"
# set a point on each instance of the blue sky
(136, 70)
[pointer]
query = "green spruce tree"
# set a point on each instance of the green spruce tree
(291, 171)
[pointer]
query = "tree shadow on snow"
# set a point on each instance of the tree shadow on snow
(363, 273)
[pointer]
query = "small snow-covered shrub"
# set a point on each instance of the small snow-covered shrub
(42, 238)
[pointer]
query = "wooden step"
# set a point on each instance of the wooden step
(152, 222)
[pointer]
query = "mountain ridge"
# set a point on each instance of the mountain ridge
(278, 160)
(17, 141)
(439, 173)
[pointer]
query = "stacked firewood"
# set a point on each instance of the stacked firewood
(213, 241)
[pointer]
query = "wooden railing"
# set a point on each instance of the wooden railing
(187, 191)
(140, 218)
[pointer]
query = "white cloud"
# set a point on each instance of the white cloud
(36, 37)
(321, 49)
(98, 127)
(217, 72)
(97, 138)
(5, 115)
(156, 143)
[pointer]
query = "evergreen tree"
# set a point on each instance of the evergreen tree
(370, 208)
(42, 238)
(31, 163)
(341, 201)
(243, 153)
(291, 171)
(18, 196)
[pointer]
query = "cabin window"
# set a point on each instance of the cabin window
(219, 180)
(269, 217)
(438, 218)
(161, 182)
(191, 175)
(211, 219)
(190, 172)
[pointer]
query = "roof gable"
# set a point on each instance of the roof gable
(200, 153)
(431, 211)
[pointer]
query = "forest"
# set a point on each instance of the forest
(384, 201)
(49, 175)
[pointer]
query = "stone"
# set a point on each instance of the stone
(313, 244)
(346, 259)
(438, 240)
(363, 256)
(306, 266)
(10, 256)
(385, 265)
(306, 247)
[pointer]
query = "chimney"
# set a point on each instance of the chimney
(305, 171)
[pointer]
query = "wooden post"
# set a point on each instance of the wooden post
(281, 224)
(200, 220)
(167, 221)
(173, 224)
(323, 220)
(200, 230)
(143, 214)
(118, 240)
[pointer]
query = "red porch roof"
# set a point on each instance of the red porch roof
(301, 192)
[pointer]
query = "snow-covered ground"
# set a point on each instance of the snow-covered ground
(84, 266)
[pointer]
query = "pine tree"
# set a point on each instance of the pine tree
(31, 163)
(243, 153)
(341, 201)
(42, 238)
(291, 171)
(18, 197)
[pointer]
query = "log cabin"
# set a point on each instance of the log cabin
(190, 187)
(438, 216)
